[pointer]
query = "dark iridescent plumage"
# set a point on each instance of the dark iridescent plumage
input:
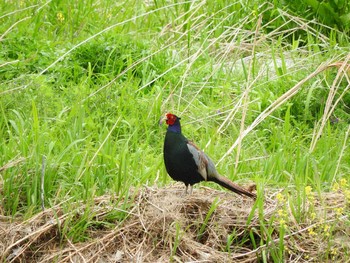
(185, 162)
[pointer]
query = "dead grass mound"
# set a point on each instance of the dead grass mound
(164, 225)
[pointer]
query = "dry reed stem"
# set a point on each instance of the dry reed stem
(12, 163)
(329, 107)
(277, 103)
(245, 96)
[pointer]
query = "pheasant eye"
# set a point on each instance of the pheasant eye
(170, 119)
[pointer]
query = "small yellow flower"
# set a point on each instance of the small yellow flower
(282, 217)
(308, 190)
(280, 198)
(339, 211)
(347, 194)
(287, 249)
(326, 230)
(311, 232)
(334, 252)
(282, 222)
(313, 216)
(335, 187)
(281, 213)
(308, 193)
(60, 17)
(343, 183)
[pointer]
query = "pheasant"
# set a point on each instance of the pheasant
(186, 163)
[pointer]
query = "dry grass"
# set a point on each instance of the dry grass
(163, 224)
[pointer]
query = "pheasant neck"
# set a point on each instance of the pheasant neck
(175, 128)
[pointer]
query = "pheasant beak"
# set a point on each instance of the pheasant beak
(162, 120)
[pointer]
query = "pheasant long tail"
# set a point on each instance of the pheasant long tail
(224, 182)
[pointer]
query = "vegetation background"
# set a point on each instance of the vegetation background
(262, 87)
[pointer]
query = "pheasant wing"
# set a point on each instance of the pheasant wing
(205, 165)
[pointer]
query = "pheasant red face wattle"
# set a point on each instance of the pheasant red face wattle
(170, 119)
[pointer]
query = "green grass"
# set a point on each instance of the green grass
(84, 85)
